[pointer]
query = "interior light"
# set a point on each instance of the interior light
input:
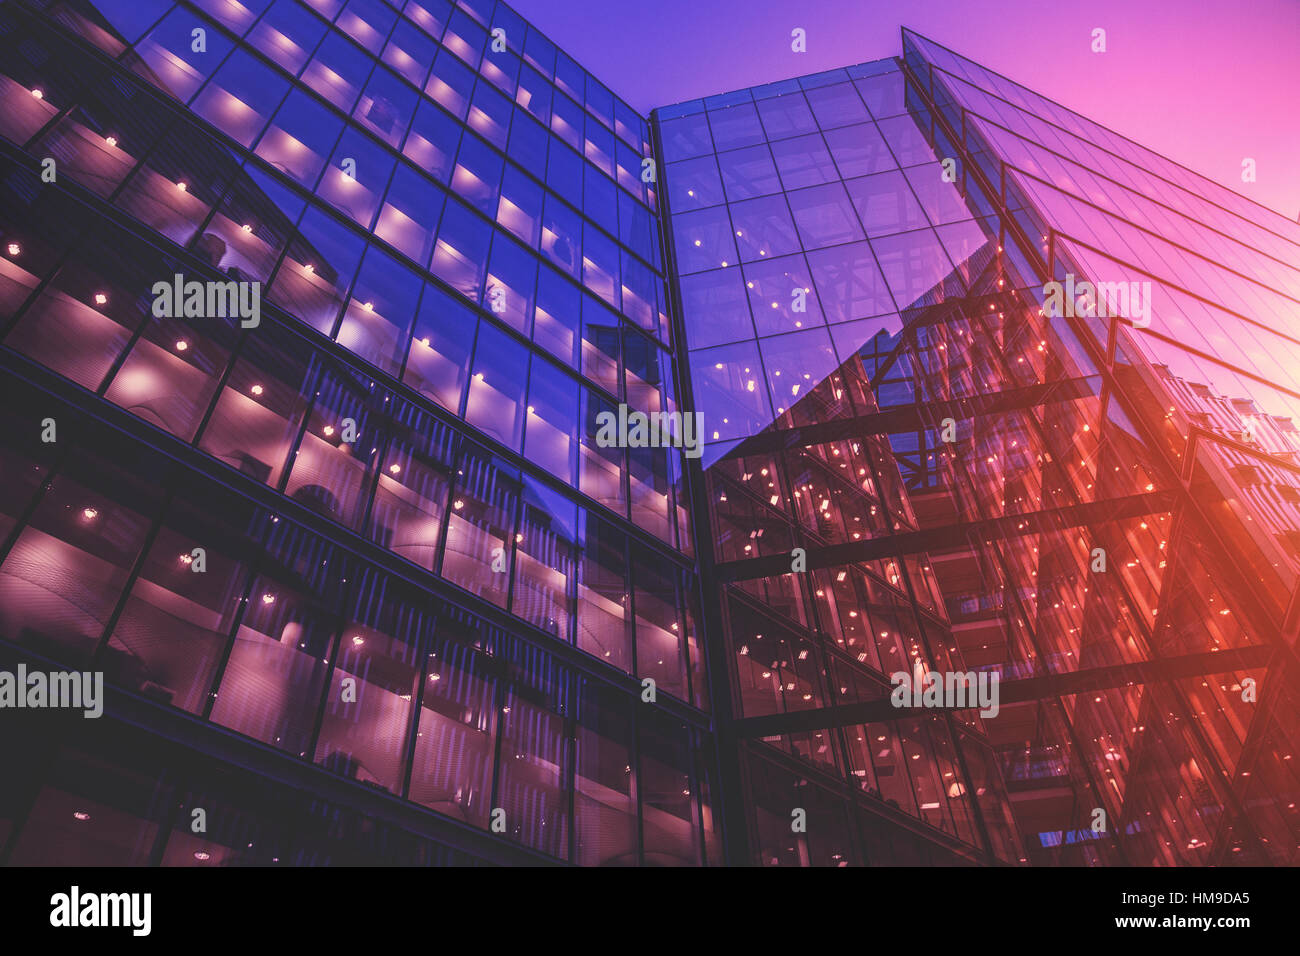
(110, 140)
(268, 598)
(256, 389)
(38, 94)
(368, 306)
(14, 249)
(358, 641)
(202, 855)
(181, 345)
(100, 298)
(89, 514)
(328, 430)
(81, 815)
(395, 468)
(458, 504)
(309, 268)
(246, 227)
(181, 186)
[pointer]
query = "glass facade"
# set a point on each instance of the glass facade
(457, 626)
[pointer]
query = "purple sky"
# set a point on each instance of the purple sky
(1205, 82)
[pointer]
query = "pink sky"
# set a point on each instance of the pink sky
(1205, 82)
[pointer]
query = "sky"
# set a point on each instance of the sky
(1207, 83)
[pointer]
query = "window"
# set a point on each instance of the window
(410, 52)
(450, 83)
(550, 430)
(333, 467)
(411, 493)
(512, 276)
(825, 216)
(338, 71)
(175, 625)
(172, 370)
(557, 316)
(240, 98)
(317, 270)
(409, 217)
(460, 255)
(272, 684)
(432, 142)
(386, 106)
(480, 524)
(356, 177)
(376, 325)
(496, 389)
(520, 209)
(603, 594)
(763, 229)
(837, 105)
(366, 727)
(786, 115)
(477, 177)
(260, 409)
(455, 751)
(300, 138)
(804, 161)
(287, 34)
(605, 824)
(438, 362)
(167, 59)
(747, 173)
(544, 560)
(367, 22)
(735, 126)
(251, 227)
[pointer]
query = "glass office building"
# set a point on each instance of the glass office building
(367, 587)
